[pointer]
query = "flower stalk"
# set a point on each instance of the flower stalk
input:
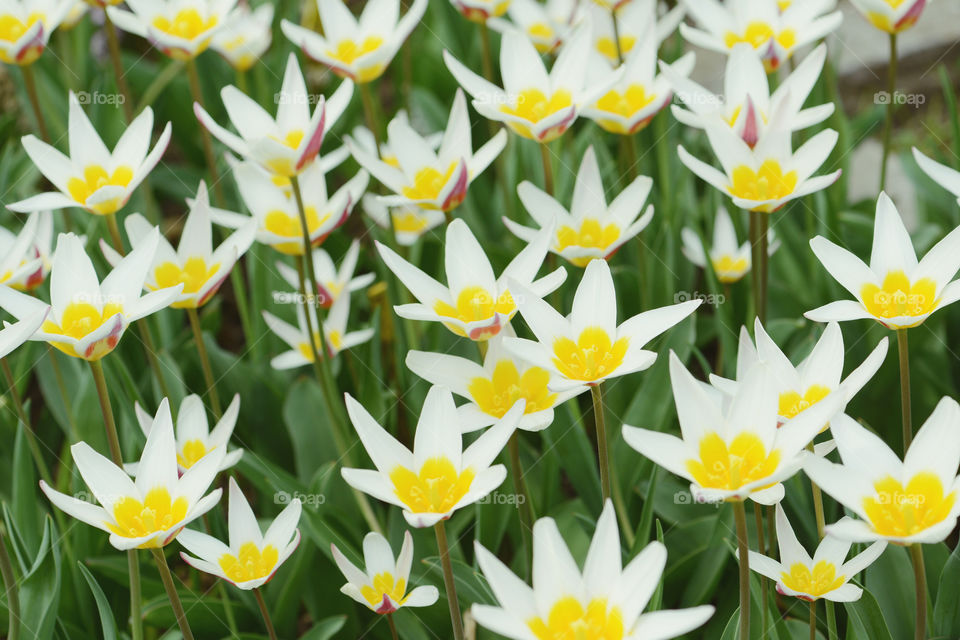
(267, 622)
(891, 105)
(212, 392)
(903, 347)
(113, 44)
(920, 579)
(197, 92)
(30, 84)
(547, 168)
(743, 544)
(456, 618)
(603, 448)
(167, 578)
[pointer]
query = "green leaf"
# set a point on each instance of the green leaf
(946, 611)
(867, 619)
(103, 606)
(40, 590)
(325, 629)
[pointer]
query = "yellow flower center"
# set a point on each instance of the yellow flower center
(478, 14)
(899, 511)
(627, 103)
(81, 318)
(533, 106)
(12, 27)
(883, 20)
(593, 356)
(158, 512)
(730, 269)
(475, 304)
(899, 297)
(728, 468)
(784, 4)
(283, 225)
(437, 488)
(251, 563)
(349, 51)
(570, 620)
(428, 183)
(497, 394)
(188, 24)
(409, 222)
(792, 403)
(758, 34)
(96, 177)
(591, 235)
(384, 584)
(823, 579)
(193, 274)
(293, 139)
(767, 183)
(541, 34)
(607, 46)
(334, 340)
(192, 452)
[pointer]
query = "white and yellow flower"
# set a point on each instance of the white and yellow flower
(88, 317)
(409, 223)
(21, 266)
(151, 509)
(364, 139)
(732, 449)
(892, 16)
(288, 143)
(195, 263)
(547, 25)
(246, 35)
(493, 387)
(12, 336)
(606, 600)
(331, 281)
(425, 177)
(438, 477)
(773, 34)
(730, 260)
(591, 228)
(474, 304)
(588, 346)
(181, 30)
(946, 177)
(482, 10)
(747, 105)
(273, 205)
(92, 177)
(535, 104)
(637, 22)
(26, 27)
(75, 14)
(895, 289)
(298, 337)
(819, 374)
(382, 584)
(825, 576)
(251, 557)
(902, 502)
(193, 437)
(359, 49)
(769, 175)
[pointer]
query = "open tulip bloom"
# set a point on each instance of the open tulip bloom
(946, 177)
(381, 585)
(195, 263)
(298, 337)
(359, 49)
(493, 387)
(535, 104)
(331, 282)
(364, 139)
(588, 346)
(425, 177)
(772, 33)
(475, 304)
(591, 228)
(88, 317)
(889, 15)
(769, 175)
(438, 477)
(26, 27)
(15, 334)
(92, 177)
(274, 206)
(245, 36)
(42, 249)
(825, 576)
(482, 10)
(21, 266)
(816, 377)
(410, 223)
(903, 502)
(194, 439)
(895, 289)
(547, 25)
(638, 23)
(285, 144)
(181, 30)
(605, 600)
(730, 260)
(251, 557)
(148, 511)
(731, 449)
(747, 106)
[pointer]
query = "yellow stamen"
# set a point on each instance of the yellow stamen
(593, 356)
(767, 183)
(194, 275)
(384, 584)
(188, 24)
(348, 52)
(96, 177)
(496, 395)
(728, 468)
(591, 235)
(899, 297)
(570, 620)
(476, 304)
(428, 183)
(625, 105)
(793, 403)
(251, 563)
(823, 579)
(436, 488)
(192, 452)
(730, 269)
(284, 225)
(608, 47)
(533, 106)
(899, 511)
(158, 512)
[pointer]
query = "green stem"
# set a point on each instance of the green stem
(136, 606)
(547, 168)
(113, 44)
(920, 579)
(32, 442)
(30, 84)
(764, 253)
(159, 84)
(764, 586)
(743, 544)
(393, 627)
(370, 114)
(10, 584)
(525, 506)
(603, 449)
(114, 229)
(171, 590)
(267, 622)
(197, 93)
(813, 620)
(831, 620)
(903, 347)
(487, 57)
(450, 586)
(616, 35)
(891, 107)
(205, 362)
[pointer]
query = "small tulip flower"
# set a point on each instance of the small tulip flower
(637, 23)
(251, 557)
(438, 477)
(825, 576)
(331, 281)
(150, 510)
(891, 16)
(729, 259)
(26, 27)
(895, 289)
(382, 585)
(246, 36)
(181, 30)
(21, 267)
(547, 25)
(482, 10)
(92, 177)
(409, 223)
